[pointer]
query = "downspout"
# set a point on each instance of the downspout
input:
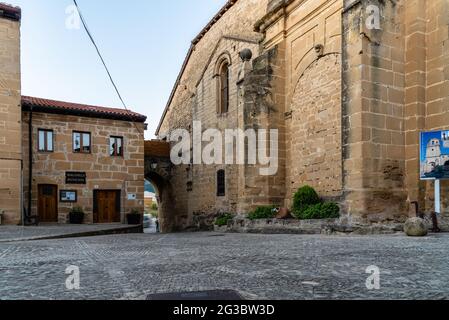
(30, 162)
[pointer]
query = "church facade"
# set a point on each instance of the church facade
(348, 84)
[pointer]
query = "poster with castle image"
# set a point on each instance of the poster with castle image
(434, 155)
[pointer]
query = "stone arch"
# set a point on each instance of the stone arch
(315, 132)
(222, 75)
(306, 63)
(225, 57)
(164, 194)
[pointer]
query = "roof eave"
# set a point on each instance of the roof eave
(83, 113)
(229, 4)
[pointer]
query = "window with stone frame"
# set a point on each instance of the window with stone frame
(223, 87)
(221, 183)
(116, 146)
(82, 142)
(45, 140)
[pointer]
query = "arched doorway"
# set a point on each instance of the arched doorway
(151, 222)
(158, 168)
(164, 199)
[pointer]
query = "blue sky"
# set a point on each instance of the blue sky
(144, 43)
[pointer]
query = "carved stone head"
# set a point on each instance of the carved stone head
(319, 49)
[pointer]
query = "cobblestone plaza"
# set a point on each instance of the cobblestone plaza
(256, 266)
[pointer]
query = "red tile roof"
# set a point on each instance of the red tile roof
(61, 107)
(10, 12)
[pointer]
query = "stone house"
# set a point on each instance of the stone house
(349, 102)
(57, 155)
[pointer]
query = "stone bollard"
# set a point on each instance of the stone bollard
(416, 227)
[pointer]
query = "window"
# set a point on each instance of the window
(221, 183)
(116, 147)
(45, 141)
(223, 101)
(81, 142)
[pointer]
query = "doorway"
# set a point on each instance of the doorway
(47, 203)
(107, 206)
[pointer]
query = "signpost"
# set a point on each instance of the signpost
(434, 160)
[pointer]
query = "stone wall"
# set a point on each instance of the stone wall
(314, 140)
(310, 31)
(103, 171)
(203, 195)
(349, 102)
(10, 121)
(194, 188)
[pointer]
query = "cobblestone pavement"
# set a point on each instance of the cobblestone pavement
(18, 233)
(257, 266)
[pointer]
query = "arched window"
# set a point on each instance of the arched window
(221, 183)
(223, 87)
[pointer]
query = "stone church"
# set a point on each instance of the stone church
(349, 101)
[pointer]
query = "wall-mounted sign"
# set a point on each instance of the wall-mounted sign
(434, 158)
(132, 196)
(68, 196)
(75, 178)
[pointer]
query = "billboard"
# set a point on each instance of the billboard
(434, 155)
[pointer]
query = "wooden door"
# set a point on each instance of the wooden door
(107, 206)
(47, 203)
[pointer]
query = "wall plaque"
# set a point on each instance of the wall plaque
(75, 178)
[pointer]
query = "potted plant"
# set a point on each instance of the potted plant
(134, 218)
(76, 215)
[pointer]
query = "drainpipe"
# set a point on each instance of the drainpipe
(30, 161)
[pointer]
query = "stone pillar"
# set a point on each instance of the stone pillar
(373, 106)
(10, 115)
(415, 92)
(263, 100)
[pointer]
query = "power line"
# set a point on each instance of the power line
(104, 64)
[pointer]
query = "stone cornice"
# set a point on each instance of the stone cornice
(9, 12)
(274, 13)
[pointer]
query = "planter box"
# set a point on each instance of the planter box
(306, 227)
(76, 218)
(134, 219)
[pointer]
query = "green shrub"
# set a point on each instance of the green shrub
(320, 211)
(265, 212)
(154, 207)
(224, 219)
(305, 197)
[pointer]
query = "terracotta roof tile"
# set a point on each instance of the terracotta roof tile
(62, 107)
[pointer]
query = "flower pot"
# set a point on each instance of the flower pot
(76, 218)
(134, 218)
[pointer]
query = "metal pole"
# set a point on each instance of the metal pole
(437, 196)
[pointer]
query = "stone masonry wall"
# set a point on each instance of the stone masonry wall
(10, 121)
(203, 198)
(103, 171)
(195, 97)
(314, 155)
(310, 31)
(373, 114)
